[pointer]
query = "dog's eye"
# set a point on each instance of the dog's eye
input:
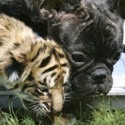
(117, 56)
(78, 57)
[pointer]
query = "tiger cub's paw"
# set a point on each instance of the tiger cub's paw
(65, 119)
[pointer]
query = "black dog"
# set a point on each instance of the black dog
(91, 32)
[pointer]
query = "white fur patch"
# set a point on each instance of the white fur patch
(13, 77)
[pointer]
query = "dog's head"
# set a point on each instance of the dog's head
(92, 35)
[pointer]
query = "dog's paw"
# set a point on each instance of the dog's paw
(65, 119)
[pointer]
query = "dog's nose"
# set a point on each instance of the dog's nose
(99, 74)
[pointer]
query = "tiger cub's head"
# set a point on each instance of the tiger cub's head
(45, 75)
(36, 68)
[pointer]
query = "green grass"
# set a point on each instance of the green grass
(106, 116)
(12, 119)
(103, 116)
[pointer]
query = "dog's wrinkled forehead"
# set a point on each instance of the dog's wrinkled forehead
(94, 27)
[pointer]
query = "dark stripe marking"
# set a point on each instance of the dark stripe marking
(61, 55)
(1, 43)
(45, 61)
(28, 85)
(36, 55)
(64, 64)
(16, 44)
(50, 69)
(53, 74)
(44, 81)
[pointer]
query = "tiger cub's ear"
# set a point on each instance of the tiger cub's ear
(19, 53)
(18, 56)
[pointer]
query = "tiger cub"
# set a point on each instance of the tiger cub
(33, 67)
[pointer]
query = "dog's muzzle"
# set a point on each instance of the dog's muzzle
(91, 77)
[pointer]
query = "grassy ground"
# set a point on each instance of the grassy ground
(12, 119)
(103, 116)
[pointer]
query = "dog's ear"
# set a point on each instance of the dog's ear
(121, 7)
(117, 5)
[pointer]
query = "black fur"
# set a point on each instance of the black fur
(19, 10)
